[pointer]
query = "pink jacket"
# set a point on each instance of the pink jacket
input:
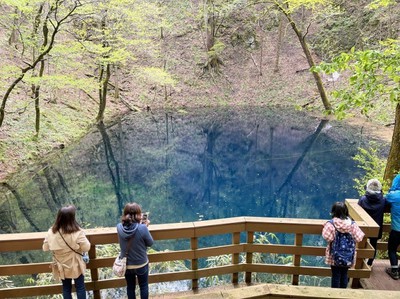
(67, 263)
(329, 232)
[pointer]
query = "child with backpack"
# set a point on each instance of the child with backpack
(342, 234)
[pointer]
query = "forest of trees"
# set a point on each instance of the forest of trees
(68, 64)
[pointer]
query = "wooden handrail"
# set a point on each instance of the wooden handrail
(192, 231)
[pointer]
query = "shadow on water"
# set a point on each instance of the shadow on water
(188, 166)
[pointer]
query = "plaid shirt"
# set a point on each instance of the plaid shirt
(329, 233)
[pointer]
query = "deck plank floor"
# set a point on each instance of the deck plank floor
(379, 280)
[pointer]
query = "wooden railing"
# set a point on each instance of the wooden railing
(192, 231)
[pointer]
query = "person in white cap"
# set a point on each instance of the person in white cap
(373, 202)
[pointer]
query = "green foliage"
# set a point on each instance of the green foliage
(169, 266)
(270, 258)
(157, 76)
(374, 77)
(373, 166)
(380, 3)
(260, 258)
(216, 50)
(330, 41)
(296, 4)
(64, 81)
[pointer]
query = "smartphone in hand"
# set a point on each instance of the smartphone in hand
(145, 217)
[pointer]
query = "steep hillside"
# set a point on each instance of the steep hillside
(248, 75)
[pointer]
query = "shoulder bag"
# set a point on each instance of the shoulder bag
(119, 266)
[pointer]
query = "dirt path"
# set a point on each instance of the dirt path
(374, 130)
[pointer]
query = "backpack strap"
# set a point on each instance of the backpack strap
(331, 222)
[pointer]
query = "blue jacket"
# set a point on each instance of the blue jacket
(141, 239)
(374, 204)
(393, 198)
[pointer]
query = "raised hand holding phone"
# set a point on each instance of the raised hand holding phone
(145, 218)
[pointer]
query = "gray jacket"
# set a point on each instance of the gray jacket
(141, 239)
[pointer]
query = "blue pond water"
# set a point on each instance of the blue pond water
(189, 166)
(192, 165)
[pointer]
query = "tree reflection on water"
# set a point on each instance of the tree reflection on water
(202, 164)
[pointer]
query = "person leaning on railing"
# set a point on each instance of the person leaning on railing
(134, 234)
(67, 241)
(374, 203)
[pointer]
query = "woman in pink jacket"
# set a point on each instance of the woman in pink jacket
(67, 242)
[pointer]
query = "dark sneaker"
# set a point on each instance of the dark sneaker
(393, 273)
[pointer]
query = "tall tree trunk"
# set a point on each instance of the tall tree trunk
(105, 73)
(208, 23)
(116, 75)
(36, 95)
(36, 88)
(213, 61)
(393, 161)
(14, 32)
(278, 44)
(104, 77)
(310, 60)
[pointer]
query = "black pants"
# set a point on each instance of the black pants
(393, 243)
(374, 243)
(339, 277)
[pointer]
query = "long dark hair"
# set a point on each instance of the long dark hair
(65, 221)
(339, 210)
(132, 213)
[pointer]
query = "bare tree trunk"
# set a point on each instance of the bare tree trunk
(14, 32)
(116, 73)
(310, 60)
(260, 73)
(106, 73)
(36, 88)
(393, 161)
(213, 61)
(278, 44)
(36, 96)
(208, 23)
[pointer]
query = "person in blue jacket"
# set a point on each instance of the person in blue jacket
(374, 204)
(134, 232)
(393, 198)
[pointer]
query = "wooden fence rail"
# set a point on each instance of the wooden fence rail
(236, 227)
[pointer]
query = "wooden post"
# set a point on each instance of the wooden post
(94, 273)
(249, 256)
(195, 265)
(297, 258)
(235, 256)
(355, 284)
